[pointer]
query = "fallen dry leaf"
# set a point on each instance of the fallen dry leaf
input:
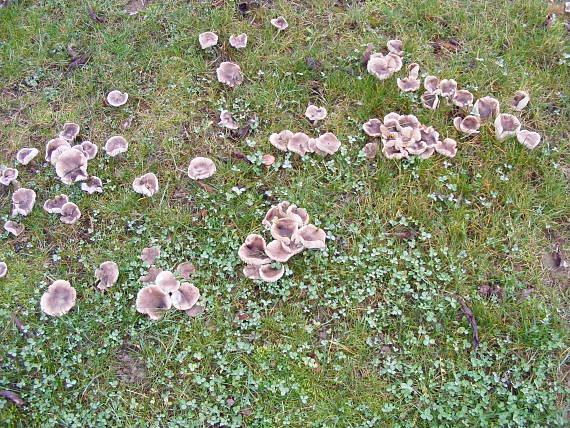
(94, 16)
(13, 397)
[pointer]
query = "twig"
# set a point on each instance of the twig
(471, 318)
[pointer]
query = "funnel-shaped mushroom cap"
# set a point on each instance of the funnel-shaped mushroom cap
(58, 299)
(428, 152)
(70, 131)
(408, 84)
(13, 227)
(239, 41)
(416, 147)
(430, 100)
(392, 116)
(8, 175)
(54, 148)
(408, 121)
(328, 143)
(227, 120)
(151, 275)
(284, 228)
(230, 74)
(487, 108)
(116, 145)
(396, 47)
(92, 185)
(298, 143)
(447, 147)
(71, 166)
(462, 98)
(185, 297)
(23, 201)
(372, 128)
(185, 270)
(70, 213)
(394, 62)
(251, 272)
(448, 87)
(3, 269)
(315, 113)
(431, 84)
(371, 150)
(153, 301)
(88, 148)
(195, 310)
(393, 152)
(414, 70)
(520, 100)
(506, 125)
(252, 250)
(107, 274)
(281, 140)
(149, 255)
(310, 236)
(167, 281)
(146, 185)
(528, 138)
(25, 155)
(268, 273)
(277, 212)
(378, 66)
(117, 98)
(54, 206)
(281, 252)
(280, 23)
(201, 168)
(429, 135)
(299, 214)
(208, 39)
(469, 124)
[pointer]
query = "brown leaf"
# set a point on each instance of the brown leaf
(20, 326)
(13, 397)
(77, 62)
(526, 293)
(314, 64)
(240, 156)
(450, 45)
(94, 16)
(407, 234)
(471, 318)
(486, 291)
(206, 187)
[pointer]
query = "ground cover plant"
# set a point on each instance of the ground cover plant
(377, 328)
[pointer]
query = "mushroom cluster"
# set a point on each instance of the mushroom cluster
(302, 144)
(68, 211)
(292, 233)
(383, 66)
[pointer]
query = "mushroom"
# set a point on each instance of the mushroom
(372, 128)
(280, 252)
(520, 100)
(185, 297)
(371, 150)
(448, 87)
(394, 62)
(429, 135)
(281, 140)
(487, 108)
(151, 275)
(25, 155)
(299, 214)
(146, 185)
(275, 213)
(268, 273)
(462, 98)
(227, 120)
(315, 113)
(252, 250)
(239, 41)
(117, 98)
(431, 84)
(413, 70)
(251, 271)
(8, 175)
(430, 100)
(208, 39)
(23, 201)
(280, 23)
(71, 166)
(229, 73)
(298, 143)
(201, 168)
(408, 84)
(54, 206)
(378, 67)
(185, 270)
(195, 310)
(70, 213)
(58, 299)
(88, 148)
(167, 281)
(429, 151)
(13, 227)
(283, 229)
(54, 148)
(506, 125)
(328, 143)
(393, 152)
(107, 274)
(416, 147)
(469, 124)
(116, 145)
(409, 121)
(153, 301)
(310, 236)
(528, 139)
(92, 185)
(396, 47)
(447, 147)
(268, 160)
(70, 131)
(149, 255)
(3, 269)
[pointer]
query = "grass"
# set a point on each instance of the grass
(366, 333)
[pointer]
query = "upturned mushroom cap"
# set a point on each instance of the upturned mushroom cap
(150, 275)
(428, 153)
(280, 23)
(284, 228)
(281, 140)
(372, 128)
(167, 281)
(430, 100)
(268, 273)
(396, 47)
(23, 201)
(408, 121)
(448, 87)
(58, 299)
(378, 67)
(528, 139)
(310, 236)
(208, 39)
(252, 250)
(469, 124)
(25, 155)
(371, 150)
(429, 135)
(153, 301)
(277, 212)
(201, 168)
(298, 143)
(408, 84)
(3, 269)
(447, 147)
(70, 131)
(230, 74)
(150, 254)
(116, 145)
(394, 62)
(70, 213)
(391, 151)
(88, 148)
(520, 100)
(431, 84)
(146, 185)
(315, 113)
(13, 227)
(280, 252)
(107, 274)
(54, 206)
(195, 310)
(487, 108)
(414, 70)
(506, 125)
(416, 147)
(117, 98)
(8, 175)
(462, 98)
(71, 166)
(227, 120)
(239, 41)
(92, 185)
(251, 272)
(328, 143)
(299, 214)
(185, 270)
(54, 148)
(185, 297)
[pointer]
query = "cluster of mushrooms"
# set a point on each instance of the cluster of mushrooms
(292, 233)
(383, 66)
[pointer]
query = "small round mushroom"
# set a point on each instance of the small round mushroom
(92, 185)
(268, 273)
(71, 166)
(268, 159)
(280, 23)
(520, 100)
(396, 47)
(107, 274)
(185, 297)
(54, 148)
(117, 98)
(116, 145)
(153, 301)
(8, 175)
(23, 201)
(252, 250)
(431, 84)
(528, 139)
(328, 143)
(167, 281)
(14, 228)
(487, 108)
(506, 125)
(310, 237)
(150, 254)
(230, 74)
(88, 148)
(146, 185)
(239, 41)
(58, 299)
(227, 120)
(3, 269)
(151, 275)
(468, 125)
(195, 310)
(314, 113)
(25, 155)
(448, 87)
(430, 100)
(372, 128)
(462, 98)
(280, 252)
(281, 140)
(208, 39)
(186, 270)
(201, 168)
(54, 206)
(371, 150)
(408, 84)
(447, 147)
(298, 143)
(251, 272)
(70, 131)
(70, 213)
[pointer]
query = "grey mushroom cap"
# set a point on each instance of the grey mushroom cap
(208, 39)
(447, 147)
(311, 237)
(448, 87)
(520, 100)
(487, 108)
(268, 273)
(251, 271)
(428, 153)
(146, 185)
(378, 66)
(328, 143)
(396, 47)
(14, 228)
(252, 250)
(185, 297)
(23, 201)
(462, 98)
(281, 140)
(3, 269)
(107, 274)
(54, 148)
(506, 125)
(239, 41)
(277, 212)
(25, 155)
(529, 139)
(227, 120)
(229, 73)
(429, 100)
(195, 310)
(71, 166)
(54, 206)
(70, 131)
(92, 185)
(372, 127)
(408, 84)
(431, 84)
(315, 113)
(284, 228)
(280, 23)
(8, 175)
(117, 98)
(429, 135)
(70, 213)
(116, 145)
(88, 148)
(468, 125)
(293, 211)
(394, 62)
(298, 143)
(150, 254)
(371, 150)
(414, 70)
(153, 301)
(58, 299)
(167, 281)
(150, 275)
(281, 252)
(201, 168)
(186, 270)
